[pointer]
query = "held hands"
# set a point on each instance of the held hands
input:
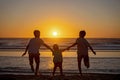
(68, 48)
(23, 54)
(94, 52)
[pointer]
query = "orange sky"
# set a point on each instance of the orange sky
(100, 19)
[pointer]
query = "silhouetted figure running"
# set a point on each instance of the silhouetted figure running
(82, 50)
(58, 59)
(33, 51)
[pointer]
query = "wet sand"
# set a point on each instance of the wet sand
(88, 76)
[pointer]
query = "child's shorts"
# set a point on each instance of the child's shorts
(33, 56)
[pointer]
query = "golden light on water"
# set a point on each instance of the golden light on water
(50, 64)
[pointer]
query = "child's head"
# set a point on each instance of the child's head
(55, 47)
(37, 33)
(82, 33)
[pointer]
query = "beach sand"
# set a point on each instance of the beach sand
(88, 76)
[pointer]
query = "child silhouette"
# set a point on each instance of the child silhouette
(57, 59)
(33, 51)
(82, 50)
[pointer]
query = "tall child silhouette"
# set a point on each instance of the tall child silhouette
(33, 51)
(82, 50)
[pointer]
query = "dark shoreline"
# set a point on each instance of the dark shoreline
(86, 76)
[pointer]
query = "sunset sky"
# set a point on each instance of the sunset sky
(60, 18)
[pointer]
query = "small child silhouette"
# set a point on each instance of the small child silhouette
(58, 59)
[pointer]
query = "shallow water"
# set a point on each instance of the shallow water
(103, 62)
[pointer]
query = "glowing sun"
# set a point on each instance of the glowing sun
(55, 33)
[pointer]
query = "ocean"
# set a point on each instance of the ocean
(96, 43)
(107, 59)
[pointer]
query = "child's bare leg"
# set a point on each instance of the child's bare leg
(86, 61)
(37, 61)
(37, 69)
(79, 65)
(31, 62)
(32, 67)
(54, 70)
(61, 70)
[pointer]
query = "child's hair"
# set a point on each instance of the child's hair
(36, 33)
(82, 33)
(55, 46)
